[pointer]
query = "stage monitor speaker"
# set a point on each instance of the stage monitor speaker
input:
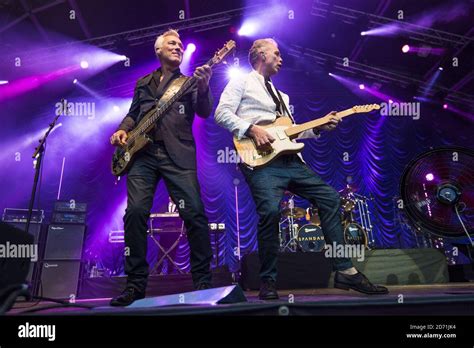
(223, 295)
(295, 271)
(64, 242)
(35, 230)
(13, 269)
(59, 279)
(403, 266)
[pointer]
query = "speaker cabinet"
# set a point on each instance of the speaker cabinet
(295, 271)
(64, 242)
(60, 279)
(61, 266)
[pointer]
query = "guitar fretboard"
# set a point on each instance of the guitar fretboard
(294, 131)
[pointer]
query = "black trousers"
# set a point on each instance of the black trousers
(149, 167)
(268, 184)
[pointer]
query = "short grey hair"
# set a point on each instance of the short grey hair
(160, 39)
(256, 49)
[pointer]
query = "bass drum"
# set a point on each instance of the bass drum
(355, 234)
(310, 238)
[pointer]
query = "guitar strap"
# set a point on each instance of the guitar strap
(172, 89)
(281, 106)
(284, 108)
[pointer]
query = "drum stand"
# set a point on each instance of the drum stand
(292, 244)
(364, 215)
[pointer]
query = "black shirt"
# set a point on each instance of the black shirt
(150, 89)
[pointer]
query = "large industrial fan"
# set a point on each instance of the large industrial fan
(437, 189)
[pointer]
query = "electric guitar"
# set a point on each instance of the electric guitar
(284, 132)
(139, 137)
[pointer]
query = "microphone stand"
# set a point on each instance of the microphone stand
(38, 155)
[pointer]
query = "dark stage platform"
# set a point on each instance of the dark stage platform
(416, 300)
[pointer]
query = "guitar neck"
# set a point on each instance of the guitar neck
(294, 131)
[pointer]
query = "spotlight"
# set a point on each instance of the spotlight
(445, 106)
(122, 58)
(234, 72)
(405, 48)
(440, 68)
(248, 28)
(361, 86)
(3, 82)
(191, 47)
(116, 108)
(84, 64)
(363, 33)
(74, 81)
(390, 101)
(330, 74)
(429, 177)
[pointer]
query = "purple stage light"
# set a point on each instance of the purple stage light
(330, 74)
(363, 33)
(445, 106)
(440, 68)
(361, 86)
(405, 48)
(3, 82)
(354, 85)
(390, 101)
(84, 64)
(191, 48)
(467, 115)
(18, 87)
(429, 177)
(116, 108)
(235, 72)
(248, 28)
(446, 13)
(122, 58)
(74, 81)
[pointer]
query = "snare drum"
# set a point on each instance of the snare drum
(310, 238)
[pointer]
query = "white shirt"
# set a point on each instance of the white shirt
(245, 101)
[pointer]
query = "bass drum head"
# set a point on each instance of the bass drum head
(355, 234)
(310, 238)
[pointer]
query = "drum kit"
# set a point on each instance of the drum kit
(300, 229)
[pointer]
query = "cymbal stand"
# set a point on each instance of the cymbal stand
(291, 245)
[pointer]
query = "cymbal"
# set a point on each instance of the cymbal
(297, 212)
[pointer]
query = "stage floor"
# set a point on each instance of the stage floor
(435, 299)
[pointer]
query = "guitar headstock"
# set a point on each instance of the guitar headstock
(365, 108)
(220, 55)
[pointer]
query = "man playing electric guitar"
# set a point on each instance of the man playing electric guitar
(252, 100)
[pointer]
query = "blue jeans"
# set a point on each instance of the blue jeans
(268, 185)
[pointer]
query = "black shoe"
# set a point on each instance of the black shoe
(203, 286)
(268, 290)
(358, 282)
(127, 297)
